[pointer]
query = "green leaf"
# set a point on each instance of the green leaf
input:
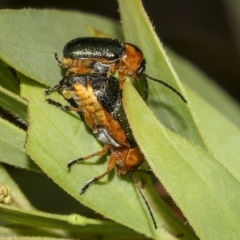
(199, 184)
(64, 225)
(12, 146)
(206, 88)
(138, 30)
(7, 80)
(14, 104)
(218, 114)
(30, 37)
(222, 134)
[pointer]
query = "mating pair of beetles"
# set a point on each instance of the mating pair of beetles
(91, 88)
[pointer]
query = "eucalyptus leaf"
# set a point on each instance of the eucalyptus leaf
(222, 134)
(7, 80)
(166, 105)
(38, 34)
(64, 225)
(205, 87)
(14, 104)
(12, 143)
(207, 193)
(218, 114)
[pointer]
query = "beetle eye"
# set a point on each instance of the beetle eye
(67, 94)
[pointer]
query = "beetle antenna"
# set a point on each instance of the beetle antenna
(144, 199)
(166, 85)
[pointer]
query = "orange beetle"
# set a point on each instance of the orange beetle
(99, 99)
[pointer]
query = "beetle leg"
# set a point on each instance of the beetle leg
(143, 197)
(111, 165)
(104, 151)
(59, 105)
(51, 89)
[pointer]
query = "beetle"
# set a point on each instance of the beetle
(109, 56)
(99, 98)
(103, 55)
